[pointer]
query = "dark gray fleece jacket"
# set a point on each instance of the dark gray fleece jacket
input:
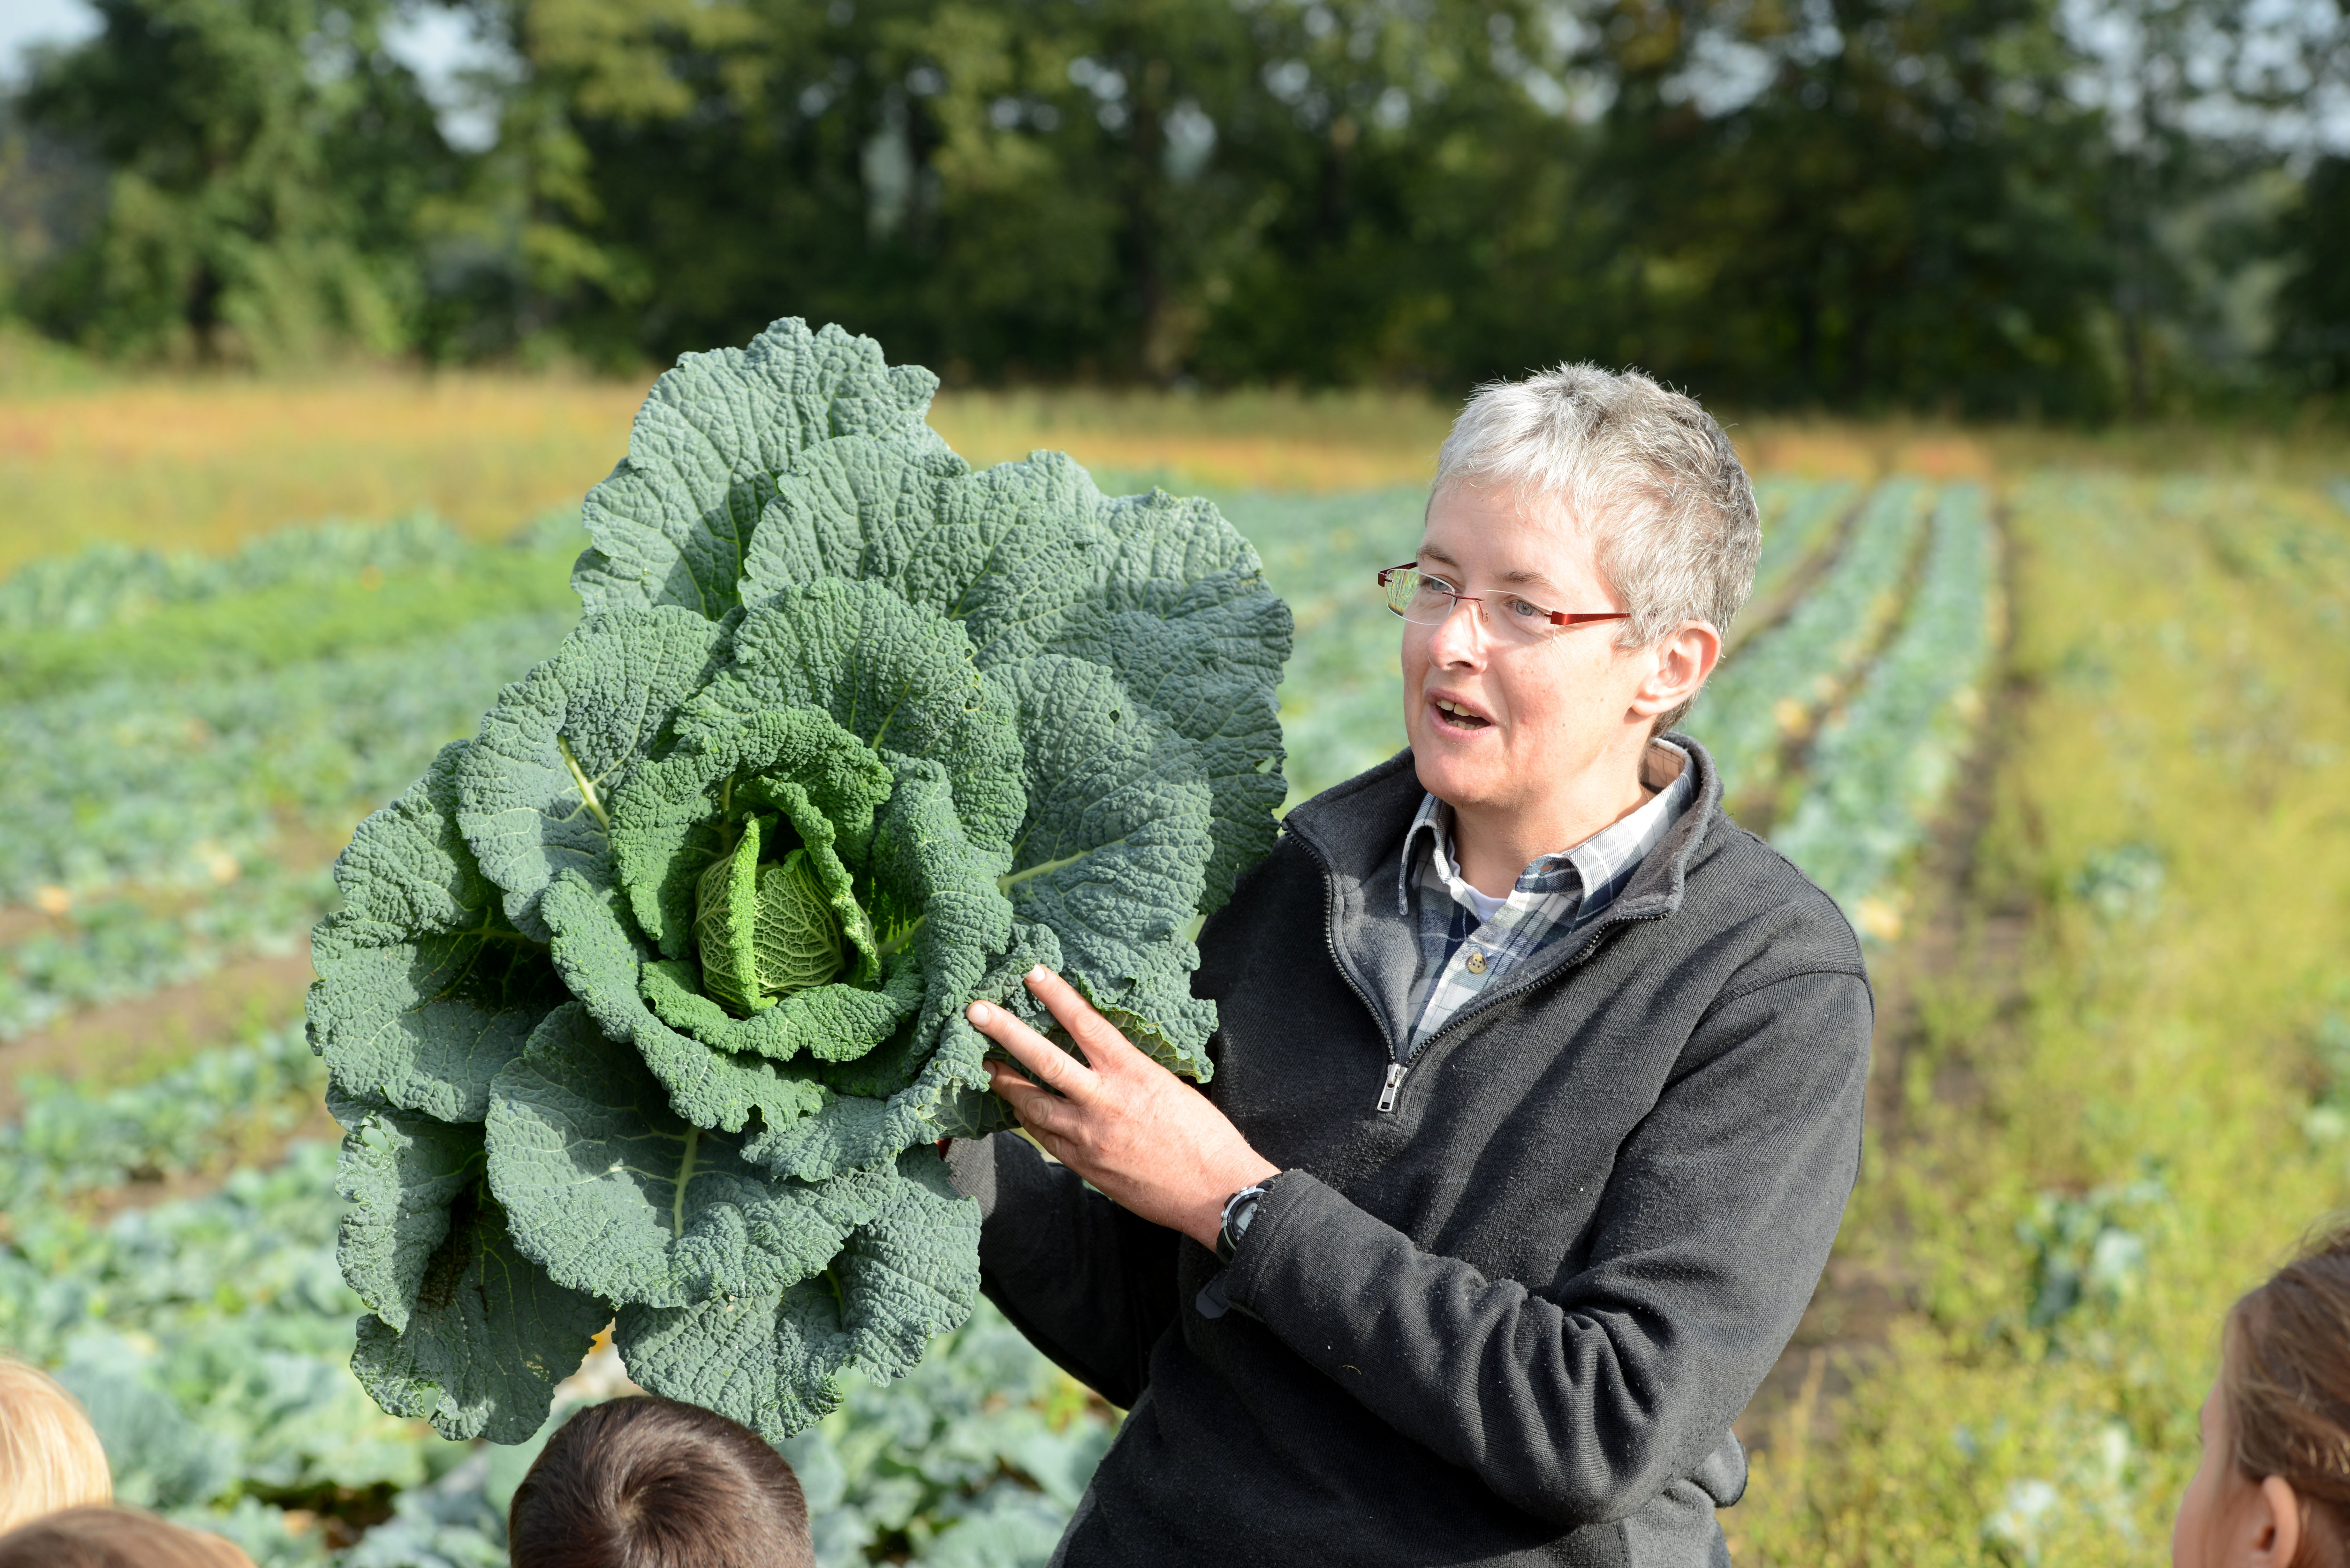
(1512, 1320)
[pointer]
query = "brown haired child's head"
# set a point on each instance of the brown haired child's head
(652, 1484)
(2274, 1488)
(114, 1538)
(49, 1454)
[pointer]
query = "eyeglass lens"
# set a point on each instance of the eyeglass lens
(1428, 602)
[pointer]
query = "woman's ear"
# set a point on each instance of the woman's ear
(1684, 658)
(2275, 1524)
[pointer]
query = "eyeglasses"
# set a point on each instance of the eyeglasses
(1426, 599)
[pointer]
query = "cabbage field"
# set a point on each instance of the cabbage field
(190, 740)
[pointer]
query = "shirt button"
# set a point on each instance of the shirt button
(1476, 962)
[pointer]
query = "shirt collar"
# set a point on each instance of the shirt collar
(1603, 861)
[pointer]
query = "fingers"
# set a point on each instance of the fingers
(1045, 1062)
(1032, 1105)
(1096, 1036)
(1049, 1121)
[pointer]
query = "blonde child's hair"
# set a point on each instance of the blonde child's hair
(114, 1538)
(49, 1453)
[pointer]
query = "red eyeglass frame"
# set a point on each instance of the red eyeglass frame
(1556, 617)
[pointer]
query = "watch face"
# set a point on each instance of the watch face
(1239, 1209)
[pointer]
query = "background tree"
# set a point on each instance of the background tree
(2068, 207)
(2312, 347)
(267, 160)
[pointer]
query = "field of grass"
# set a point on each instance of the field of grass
(2111, 1103)
(2066, 732)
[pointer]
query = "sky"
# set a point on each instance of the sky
(24, 22)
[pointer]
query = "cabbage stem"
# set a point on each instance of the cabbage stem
(1004, 884)
(684, 1179)
(587, 790)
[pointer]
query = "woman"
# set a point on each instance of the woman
(1538, 1081)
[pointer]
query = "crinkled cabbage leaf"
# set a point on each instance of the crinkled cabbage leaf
(644, 1006)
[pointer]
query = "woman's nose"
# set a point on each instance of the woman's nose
(1458, 639)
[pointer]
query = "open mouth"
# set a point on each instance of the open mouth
(1452, 715)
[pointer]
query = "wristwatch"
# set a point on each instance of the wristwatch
(1239, 1211)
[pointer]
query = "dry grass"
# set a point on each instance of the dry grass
(199, 463)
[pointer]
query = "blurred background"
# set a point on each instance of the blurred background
(2069, 209)
(2032, 318)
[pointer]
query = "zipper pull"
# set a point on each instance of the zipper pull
(1388, 1090)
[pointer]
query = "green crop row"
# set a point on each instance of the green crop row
(1771, 687)
(147, 817)
(2116, 1098)
(149, 784)
(69, 1139)
(111, 585)
(1886, 760)
(1799, 518)
(1342, 694)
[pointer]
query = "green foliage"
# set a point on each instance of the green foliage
(2313, 341)
(70, 1141)
(2114, 1112)
(1799, 518)
(2054, 1200)
(1953, 206)
(268, 164)
(850, 735)
(110, 586)
(1342, 702)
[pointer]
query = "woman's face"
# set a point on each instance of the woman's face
(1495, 725)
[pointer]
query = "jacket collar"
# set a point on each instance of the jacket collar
(1358, 829)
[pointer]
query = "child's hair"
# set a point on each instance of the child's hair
(2285, 1379)
(49, 1453)
(114, 1538)
(652, 1484)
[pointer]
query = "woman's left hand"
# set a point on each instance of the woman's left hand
(1149, 1141)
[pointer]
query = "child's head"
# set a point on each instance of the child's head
(2274, 1488)
(49, 1453)
(653, 1483)
(114, 1538)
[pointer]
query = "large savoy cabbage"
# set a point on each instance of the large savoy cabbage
(646, 1002)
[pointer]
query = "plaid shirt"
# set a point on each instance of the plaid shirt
(1460, 953)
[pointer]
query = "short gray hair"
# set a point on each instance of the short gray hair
(1678, 531)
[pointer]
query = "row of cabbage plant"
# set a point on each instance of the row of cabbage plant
(1886, 761)
(1771, 687)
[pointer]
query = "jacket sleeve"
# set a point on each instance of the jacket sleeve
(1581, 1402)
(1087, 1282)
